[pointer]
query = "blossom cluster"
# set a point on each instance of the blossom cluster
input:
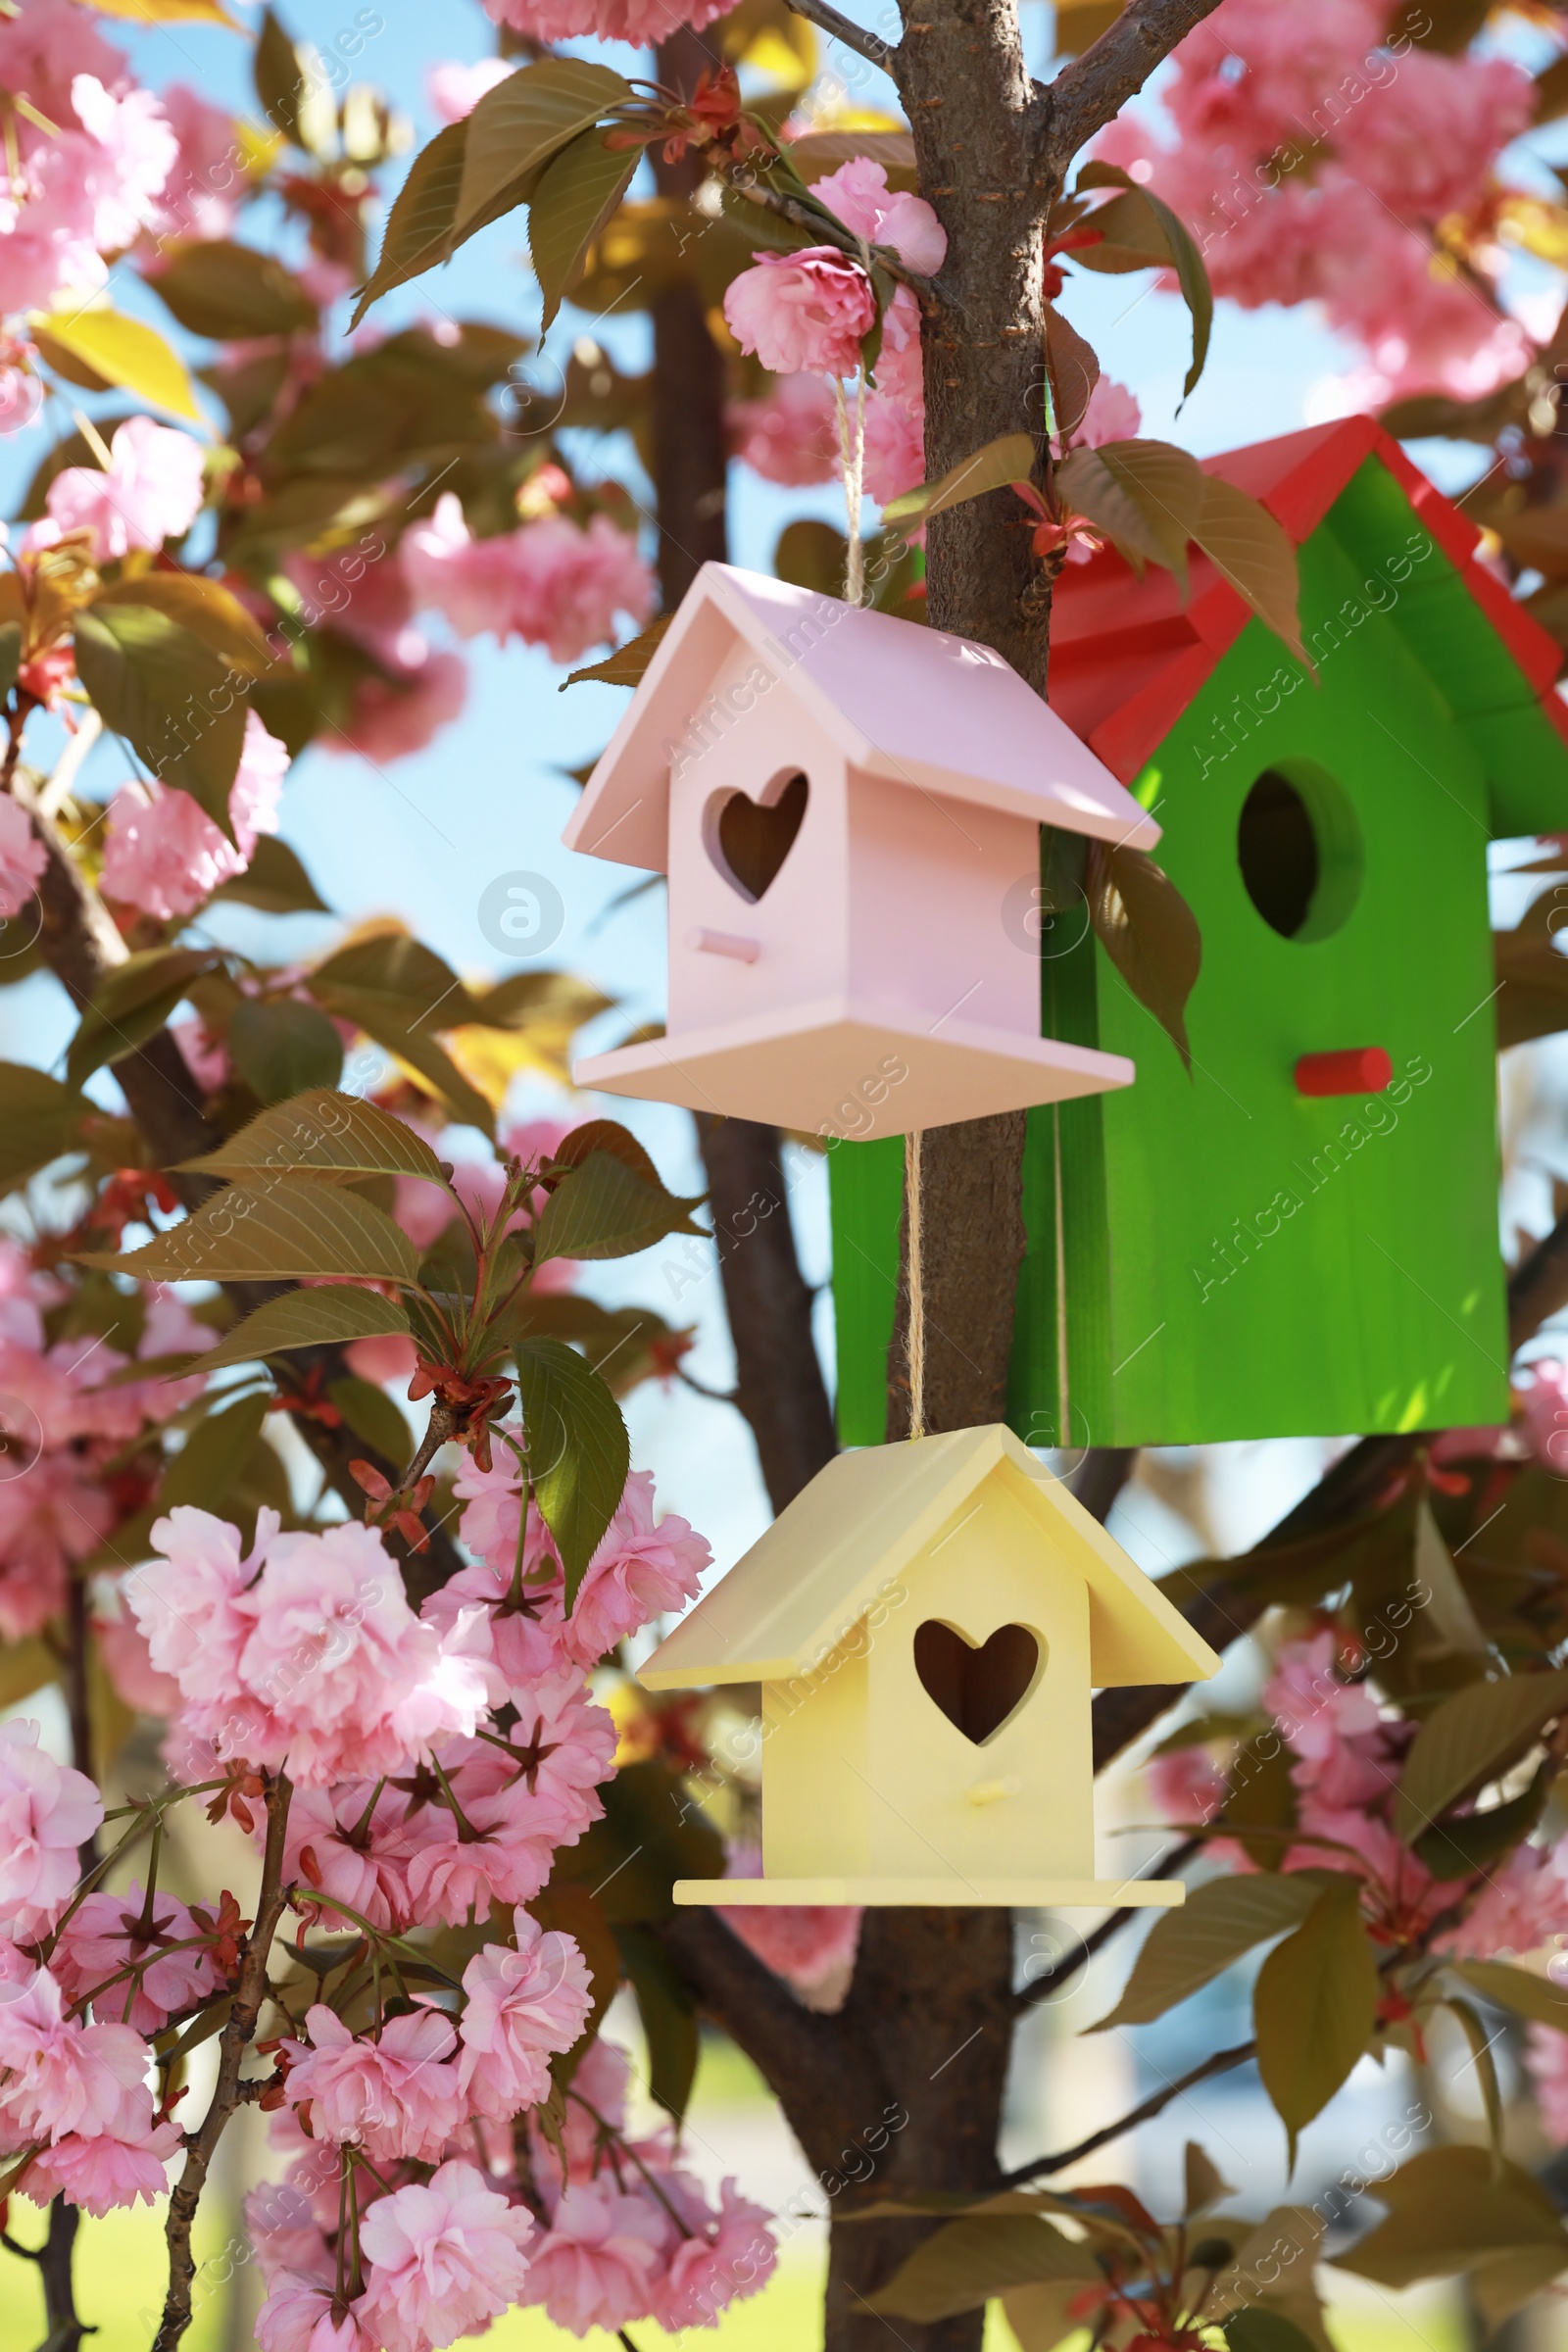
(1319, 160)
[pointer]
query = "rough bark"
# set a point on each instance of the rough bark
(690, 456)
(778, 1376)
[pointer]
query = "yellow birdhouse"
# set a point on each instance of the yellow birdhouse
(928, 1622)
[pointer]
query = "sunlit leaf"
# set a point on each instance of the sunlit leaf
(1147, 497)
(1011, 458)
(604, 1209)
(419, 227)
(1169, 231)
(232, 292)
(332, 1137)
(328, 1314)
(578, 191)
(288, 1232)
(1074, 370)
(1469, 1740)
(281, 1046)
(205, 609)
(1189, 1948)
(170, 696)
(526, 119)
(120, 350)
(627, 665)
(1256, 554)
(1451, 2209)
(1517, 1989)
(964, 2263)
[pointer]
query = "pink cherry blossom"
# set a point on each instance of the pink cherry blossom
(108, 1934)
(44, 47)
(303, 2315)
(1112, 415)
(895, 448)
(642, 23)
(47, 1810)
(790, 435)
(522, 1629)
(128, 1662)
(455, 90)
(709, 2272)
(57, 1514)
(517, 1810)
(383, 1359)
(133, 151)
(23, 857)
(392, 2096)
(445, 2258)
(60, 2076)
(813, 1947)
(1186, 1784)
(353, 1849)
(165, 854)
(392, 718)
(1521, 1907)
(522, 2006)
(185, 1604)
(21, 392)
(151, 492)
(201, 195)
(1547, 2060)
(282, 2225)
(598, 2264)
(549, 582)
(121, 2166)
(638, 1572)
(802, 310)
(857, 194)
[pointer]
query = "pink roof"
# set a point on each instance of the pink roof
(906, 702)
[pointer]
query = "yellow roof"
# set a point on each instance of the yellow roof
(806, 1583)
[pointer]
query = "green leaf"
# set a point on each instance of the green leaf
(1073, 368)
(1218, 1921)
(169, 694)
(578, 1449)
(39, 1120)
(1181, 251)
(207, 608)
(604, 1209)
(419, 228)
(1146, 496)
(604, 1134)
(207, 1466)
(1202, 2184)
(10, 654)
(1517, 1989)
(373, 1417)
(668, 2017)
(1262, 1797)
(288, 1232)
(572, 1910)
(526, 119)
(329, 1314)
(277, 76)
(1475, 2033)
(335, 1138)
(966, 2262)
(231, 292)
(578, 191)
(281, 1048)
(627, 665)
(1316, 2003)
(652, 1832)
(1472, 1841)
(1011, 458)
(1257, 555)
(399, 992)
(1040, 2317)
(130, 1003)
(1149, 933)
(275, 881)
(1471, 1738)
(121, 351)
(1450, 2209)
(1256, 2328)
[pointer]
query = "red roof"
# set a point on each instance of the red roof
(1127, 655)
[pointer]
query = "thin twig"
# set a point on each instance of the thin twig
(237, 2036)
(1220, 2063)
(1053, 1980)
(839, 27)
(828, 233)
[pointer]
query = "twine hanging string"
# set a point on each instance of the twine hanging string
(915, 1343)
(852, 457)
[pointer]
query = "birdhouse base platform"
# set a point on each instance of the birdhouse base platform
(839, 1068)
(974, 1895)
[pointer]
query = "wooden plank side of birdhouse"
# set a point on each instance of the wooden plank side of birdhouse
(1282, 1264)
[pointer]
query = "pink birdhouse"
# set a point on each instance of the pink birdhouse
(848, 809)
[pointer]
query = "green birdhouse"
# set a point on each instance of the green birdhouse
(1300, 1237)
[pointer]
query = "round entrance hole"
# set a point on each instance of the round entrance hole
(1298, 846)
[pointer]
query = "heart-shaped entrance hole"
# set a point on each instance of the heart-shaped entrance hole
(749, 840)
(977, 1689)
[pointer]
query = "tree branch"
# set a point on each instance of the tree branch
(838, 27)
(1220, 2062)
(1053, 1979)
(237, 2036)
(1093, 89)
